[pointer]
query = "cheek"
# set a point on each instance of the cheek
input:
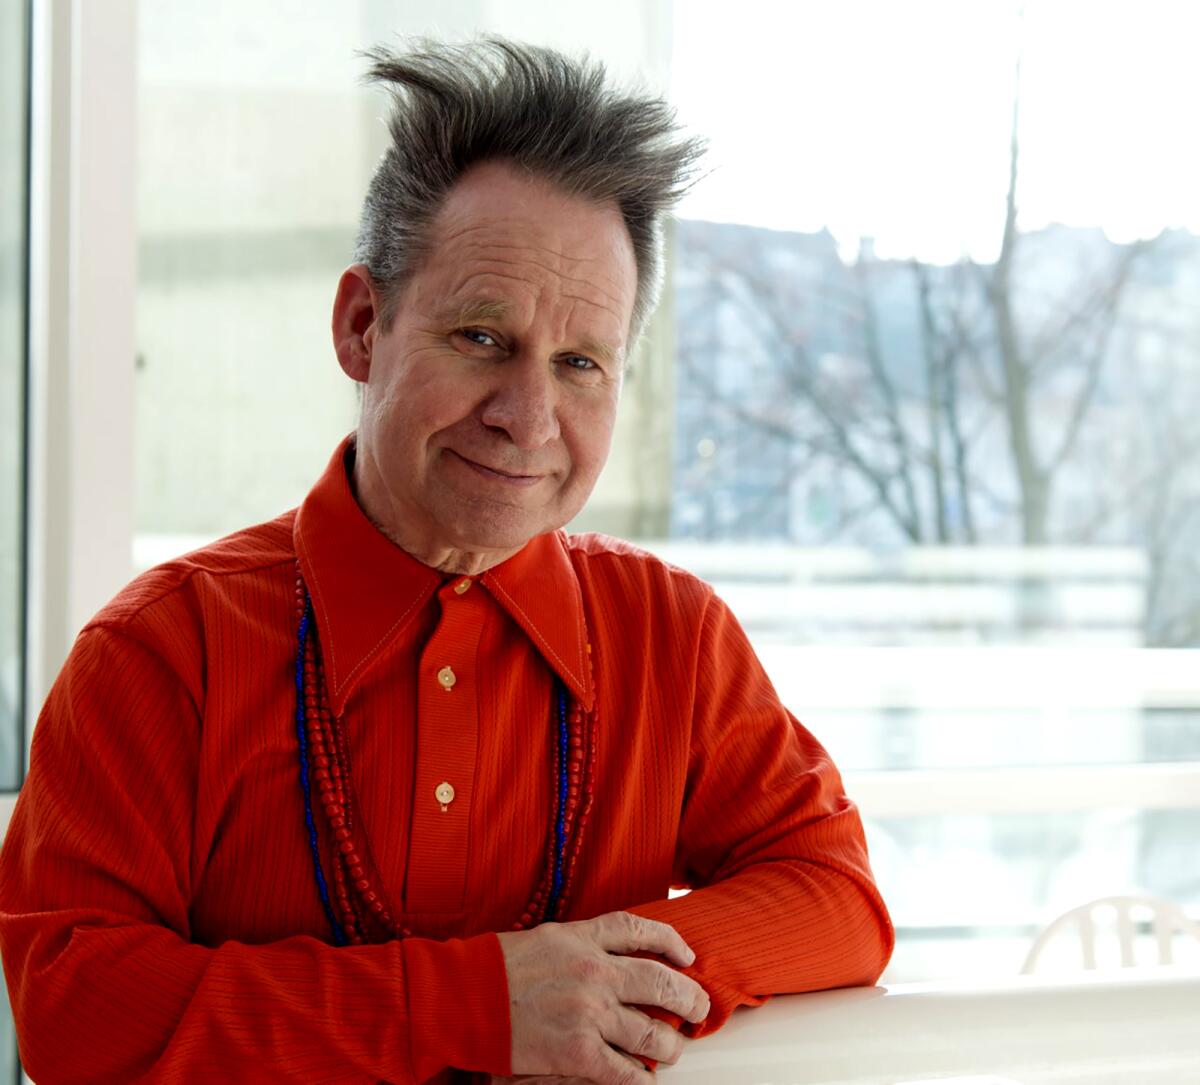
(590, 440)
(384, 414)
(411, 409)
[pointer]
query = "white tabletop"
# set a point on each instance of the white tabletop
(1139, 1027)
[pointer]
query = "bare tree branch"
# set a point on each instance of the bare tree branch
(891, 402)
(1105, 309)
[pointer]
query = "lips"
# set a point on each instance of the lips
(498, 473)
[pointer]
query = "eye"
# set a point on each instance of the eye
(476, 336)
(578, 361)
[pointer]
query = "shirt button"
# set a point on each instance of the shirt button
(461, 587)
(447, 678)
(444, 793)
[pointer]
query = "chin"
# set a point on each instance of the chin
(500, 532)
(504, 527)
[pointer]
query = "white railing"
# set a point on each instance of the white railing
(1116, 1028)
(1042, 790)
(1041, 679)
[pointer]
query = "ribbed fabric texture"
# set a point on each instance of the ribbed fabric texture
(159, 918)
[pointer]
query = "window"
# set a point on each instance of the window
(938, 364)
(14, 163)
(243, 231)
(14, 167)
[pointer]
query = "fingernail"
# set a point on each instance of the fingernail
(691, 955)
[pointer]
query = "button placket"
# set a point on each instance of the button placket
(447, 738)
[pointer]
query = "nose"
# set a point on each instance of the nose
(524, 402)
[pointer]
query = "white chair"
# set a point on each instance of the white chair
(1098, 920)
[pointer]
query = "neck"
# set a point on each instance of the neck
(380, 507)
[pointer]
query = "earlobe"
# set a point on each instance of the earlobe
(354, 321)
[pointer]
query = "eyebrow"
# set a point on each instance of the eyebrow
(603, 351)
(470, 312)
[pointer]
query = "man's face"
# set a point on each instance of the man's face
(489, 406)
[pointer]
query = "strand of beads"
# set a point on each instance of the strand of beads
(561, 796)
(581, 780)
(580, 791)
(365, 900)
(327, 780)
(306, 729)
(575, 805)
(535, 911)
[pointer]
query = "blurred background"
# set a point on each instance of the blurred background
(917, 400)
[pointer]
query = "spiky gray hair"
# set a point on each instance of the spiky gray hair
(556, 116)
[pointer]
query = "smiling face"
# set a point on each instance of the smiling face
(488, 406)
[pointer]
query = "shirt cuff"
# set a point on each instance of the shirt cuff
(457, 1005)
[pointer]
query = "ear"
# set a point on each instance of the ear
(355, 312)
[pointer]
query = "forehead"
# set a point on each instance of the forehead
(505, 237)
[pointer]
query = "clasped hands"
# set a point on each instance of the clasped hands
(573, 992)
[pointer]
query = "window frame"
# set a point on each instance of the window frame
(81, 301)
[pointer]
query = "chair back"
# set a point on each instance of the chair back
(1101, 920)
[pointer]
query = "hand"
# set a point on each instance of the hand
(538, 1079)
(572, 992)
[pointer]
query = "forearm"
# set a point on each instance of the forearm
(102, 1002)
(778, 927)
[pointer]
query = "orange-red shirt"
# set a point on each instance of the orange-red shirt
(159, 917)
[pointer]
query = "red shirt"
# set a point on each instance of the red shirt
(159, 916)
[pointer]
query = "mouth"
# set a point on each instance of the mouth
(496, 475)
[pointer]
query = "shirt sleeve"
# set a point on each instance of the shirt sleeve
(95, 881)
(783, 899)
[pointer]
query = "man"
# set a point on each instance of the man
(395, 785)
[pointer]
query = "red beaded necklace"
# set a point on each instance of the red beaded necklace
(358, 908)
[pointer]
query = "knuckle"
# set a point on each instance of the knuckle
(577, 1008)
(580, 1052)
(628, 1075)
(591, 970)
(648, 1043)
(672, 1045)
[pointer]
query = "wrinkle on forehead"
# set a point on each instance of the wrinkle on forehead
(552, 261)
(474, 285)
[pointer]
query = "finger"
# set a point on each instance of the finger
(541, 1079)
(651, 983)
(624, 932)
(635, 1033)
(617, 1068)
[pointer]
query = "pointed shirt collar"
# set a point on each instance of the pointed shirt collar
(365, 589)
